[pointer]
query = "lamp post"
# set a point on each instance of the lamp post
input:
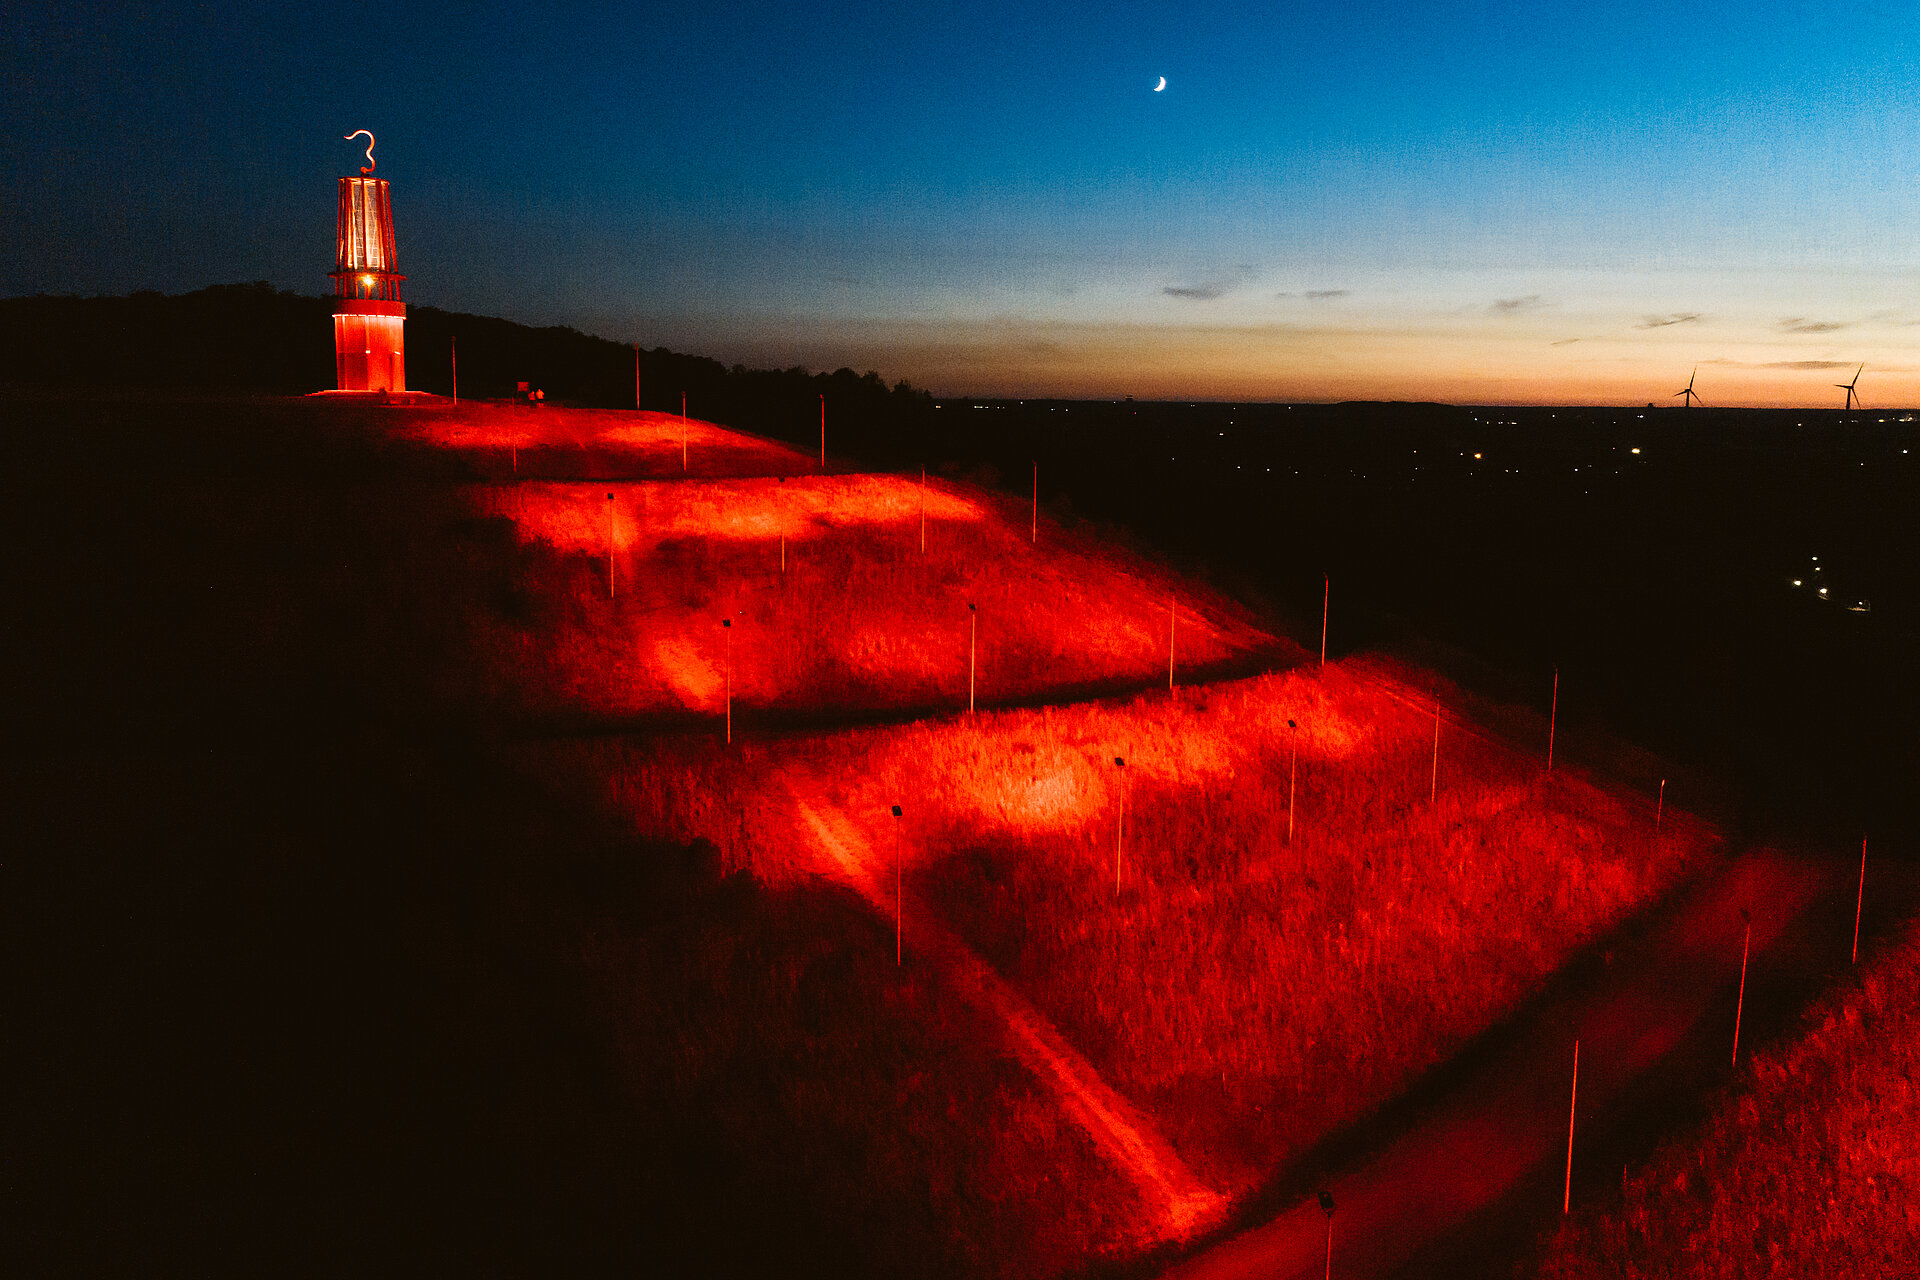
(1293, 762)
(1660, 805)
(453, 361)
(683, 432)
(899, 892)
(1120, 826)
(1173, 614)
(609, 546)
(823, 435)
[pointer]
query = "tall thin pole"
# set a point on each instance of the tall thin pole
(973, 635)
(783, 554)
(1660, 806)
(1566, 1196)
(609, 546)
(1433, 785)
(1326, 599)
(1329, 1247)
(1859, 898)
(683, 431)
(1553, 718)
(1034, 538)
(923, 511)
(1173, 614)
(453, 359)
(1740, 1006)
(823, 435)
(1119, 833)
(899, 891)
(636, 377)
(726, 624)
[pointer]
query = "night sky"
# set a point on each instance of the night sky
(1517, 202)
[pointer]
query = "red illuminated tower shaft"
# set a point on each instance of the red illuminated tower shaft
(369, 344)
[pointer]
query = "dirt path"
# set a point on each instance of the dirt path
(1505, 1121)
(1120, 1132)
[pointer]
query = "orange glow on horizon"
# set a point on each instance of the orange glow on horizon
(1548, 359)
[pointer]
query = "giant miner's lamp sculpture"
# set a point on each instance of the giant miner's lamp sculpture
(369, 346)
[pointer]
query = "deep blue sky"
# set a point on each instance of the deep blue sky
(1458, 201)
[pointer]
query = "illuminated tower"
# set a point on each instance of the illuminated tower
(369, 342)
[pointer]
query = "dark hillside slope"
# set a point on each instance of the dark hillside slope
(248, 338)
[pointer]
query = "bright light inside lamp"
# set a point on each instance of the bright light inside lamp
(367, 280)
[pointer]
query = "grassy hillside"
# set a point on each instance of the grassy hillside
(1253, 992)
(834, 607)
(1809, 1166)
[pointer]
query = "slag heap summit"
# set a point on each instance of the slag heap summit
(369, 342)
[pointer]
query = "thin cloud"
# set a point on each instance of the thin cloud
(1564, 342)
(1799, 324)
(1206, 292)
(1513, 306)
(1318, 294)
(1815, 366)
(1661, 322)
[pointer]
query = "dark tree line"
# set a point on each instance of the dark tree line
(249, 338)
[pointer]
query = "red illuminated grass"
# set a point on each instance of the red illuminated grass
(847, 1101)
(1810, 1167)
(509, 441)
(1250, 994)
(859, 617)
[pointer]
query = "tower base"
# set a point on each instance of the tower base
(369, 345)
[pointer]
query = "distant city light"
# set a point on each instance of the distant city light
(1636, 448)
(1796, 582)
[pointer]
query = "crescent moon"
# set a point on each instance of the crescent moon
(1163, 84)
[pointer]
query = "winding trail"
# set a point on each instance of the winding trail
(1505, 1121)
(1120, 1132)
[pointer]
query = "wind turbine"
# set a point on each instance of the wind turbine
(1853, 397)
(1692, 397)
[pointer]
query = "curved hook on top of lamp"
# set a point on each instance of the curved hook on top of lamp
(356, 133)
